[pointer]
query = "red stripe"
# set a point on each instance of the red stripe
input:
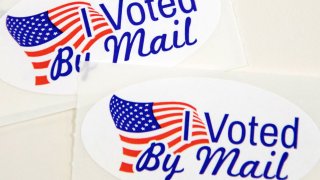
(97, 19)
(41, 65)
(174, 142)
(41, 80)
(69, 4)
(53, 47)
(168, 115)
(198, 122)
(193, 143)
(198, 133)
(125, 167)
(129, 152)
(166, 109)
(146, 140)
(96, 38)
(79, 41)
(92, 10)
(98, 26)
(63, 12)
(95, 15)
(174, 103)
(69, 25)
(196, 117)
(65, 18)
(198, 126)
(171, 123)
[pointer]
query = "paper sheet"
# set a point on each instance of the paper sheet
(18, 105)
(299, 90)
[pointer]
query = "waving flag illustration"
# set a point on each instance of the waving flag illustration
(176, 124)
(74, 24)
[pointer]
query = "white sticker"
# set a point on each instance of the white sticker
(44, 46)
(200, 128)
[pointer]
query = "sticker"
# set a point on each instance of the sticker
(200, 128)
(45, 47)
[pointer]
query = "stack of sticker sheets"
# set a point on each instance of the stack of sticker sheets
(161, 89)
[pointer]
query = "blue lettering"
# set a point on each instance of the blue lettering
(149, 155)
(60, 60)
(242, 133)
(130, 42)
(193, 6)
(247, 169)
(116, 25)
(173, 167)
(209, 156)
(273, 133)
(252, 125)
(154, 48)
(162, 8)
(294, 129)
(215, 138)
(152, 154)
(149, 3)
(129, 12)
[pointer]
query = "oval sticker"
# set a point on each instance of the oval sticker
(200, 128)
(44, 46)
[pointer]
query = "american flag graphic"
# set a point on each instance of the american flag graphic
(74, 24)
(175, 124)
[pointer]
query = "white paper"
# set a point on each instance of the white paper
(18, 105)
(200, 34)
(299, 90)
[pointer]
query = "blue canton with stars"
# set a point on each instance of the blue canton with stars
(133, 117)
(33, 30)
